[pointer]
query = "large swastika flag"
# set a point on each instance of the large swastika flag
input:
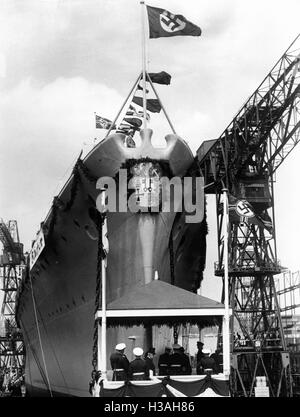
(163, 23)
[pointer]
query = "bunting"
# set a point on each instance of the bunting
(197, 386)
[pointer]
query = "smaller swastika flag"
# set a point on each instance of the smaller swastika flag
(163, 23)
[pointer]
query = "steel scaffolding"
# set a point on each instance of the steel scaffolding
(244, 160)
(12, 264)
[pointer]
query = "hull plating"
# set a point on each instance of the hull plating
(64, 278)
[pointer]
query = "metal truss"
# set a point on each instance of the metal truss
(12, 350)
(273, 364)
(263, 132)
(288, 294)
(10, 276)
(257, 340)
(243, 160)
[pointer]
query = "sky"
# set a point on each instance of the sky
(63, 60)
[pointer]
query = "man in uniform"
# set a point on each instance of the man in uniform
(199, 355)
(186, 369)
(149, 359)
(177, 361)
(164, 362)
(119, 363)
(207, 364)
(138, 369)
(218, 357)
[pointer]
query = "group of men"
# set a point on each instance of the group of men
(207, 362)
(178, 363)
(173, 361)
(138, 369)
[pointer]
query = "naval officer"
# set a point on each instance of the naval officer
(138, 368)
(119, 363)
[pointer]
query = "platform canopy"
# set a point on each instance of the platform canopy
(160, 303)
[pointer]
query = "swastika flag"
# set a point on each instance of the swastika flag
(164, 24)
(241, 211)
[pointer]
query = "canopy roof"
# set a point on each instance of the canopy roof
(161, 303)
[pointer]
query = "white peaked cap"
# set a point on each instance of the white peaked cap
(138, 351)
(206, 351)
(120, 346)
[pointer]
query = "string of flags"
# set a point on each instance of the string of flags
(162, 23)
(132, 120)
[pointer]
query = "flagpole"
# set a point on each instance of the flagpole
(226, 328)
(142, 3)
(103, 294)
(127, 98)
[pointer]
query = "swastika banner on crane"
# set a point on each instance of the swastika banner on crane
(241, 211)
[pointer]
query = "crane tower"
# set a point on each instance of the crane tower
(243, 160)
(12, 264)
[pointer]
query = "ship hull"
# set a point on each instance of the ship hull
(57, 301)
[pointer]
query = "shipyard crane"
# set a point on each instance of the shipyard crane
(243, 160)
(12, 264)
